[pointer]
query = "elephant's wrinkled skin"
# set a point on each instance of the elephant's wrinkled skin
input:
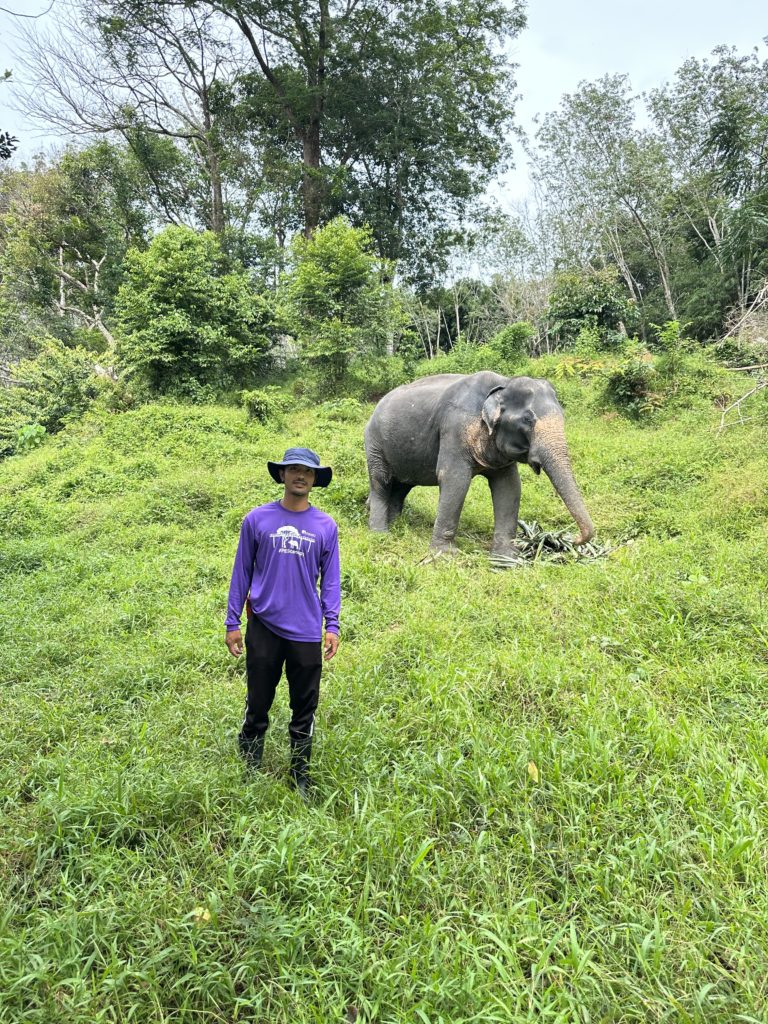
(448, 428)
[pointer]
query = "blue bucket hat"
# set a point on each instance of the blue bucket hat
(301, 457)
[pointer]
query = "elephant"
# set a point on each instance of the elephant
(446, 429)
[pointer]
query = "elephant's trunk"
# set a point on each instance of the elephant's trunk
(549, 452)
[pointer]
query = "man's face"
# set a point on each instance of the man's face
(298, 480)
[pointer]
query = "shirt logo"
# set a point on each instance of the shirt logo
(291, 542)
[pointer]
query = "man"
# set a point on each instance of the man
(285, 547)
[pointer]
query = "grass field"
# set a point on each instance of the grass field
(542, 794)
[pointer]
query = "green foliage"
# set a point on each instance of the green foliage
(30, 436)
(340, 306)
(631, 386)
(56, 385)
(189, 321)
(373, 376)
(464, 358)
(513, 341)
(64, 231)
(680, 376)
(742, 349)
(554, 773)
(263, 404)
(596, 301)
(341, 410)
(570, 367)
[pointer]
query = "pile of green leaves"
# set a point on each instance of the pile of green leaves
(535, 544)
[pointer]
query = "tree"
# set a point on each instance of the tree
(714, 121)
(148, 74)
(393, 113)
(65, 231)
(599, 171)
(7, 141)
(341, 306)
(187, 316)
(418, 121)
(595, 300)
(7, 145)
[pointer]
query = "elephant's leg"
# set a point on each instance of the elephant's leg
(399, 493)
(454, 481)
(379, 499)
(505, 495)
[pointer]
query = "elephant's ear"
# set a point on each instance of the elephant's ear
(492, 408)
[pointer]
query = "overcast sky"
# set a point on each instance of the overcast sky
(565, 42)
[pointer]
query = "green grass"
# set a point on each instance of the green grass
(145, 877)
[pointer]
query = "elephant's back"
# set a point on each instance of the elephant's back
(410, 407)
(402, 437)
(427, 397)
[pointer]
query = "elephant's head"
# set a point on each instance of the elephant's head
(525, 421)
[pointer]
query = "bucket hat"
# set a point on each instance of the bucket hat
(301, 457)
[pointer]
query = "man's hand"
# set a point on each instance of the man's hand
(330, 646)
(234, 641)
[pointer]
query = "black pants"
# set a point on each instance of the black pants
(265, 655)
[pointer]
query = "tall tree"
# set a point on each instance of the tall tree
(147, 73)
(713, 119)
(64, 232)
(601, 171)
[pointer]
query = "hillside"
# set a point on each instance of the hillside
(542, 794)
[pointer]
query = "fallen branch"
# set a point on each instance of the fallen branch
(760, 300)
(737, 406)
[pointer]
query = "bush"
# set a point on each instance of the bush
(30, 436)
(463, 358)
(341, 410)
(630, 386)
(56, 385)
(513, 342)
(340, 304)
(594, 300)
(189, 321)
(741, 350)
(265, 405)
(371, 378)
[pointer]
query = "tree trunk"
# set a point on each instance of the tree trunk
(312, 185)
(217, 193)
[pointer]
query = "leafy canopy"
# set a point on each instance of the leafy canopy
(188, 316)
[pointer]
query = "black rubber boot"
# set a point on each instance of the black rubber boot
(251, 750)
(301, 753)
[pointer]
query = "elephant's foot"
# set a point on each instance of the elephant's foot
(505, 554)
(505, 549)
(439, 551)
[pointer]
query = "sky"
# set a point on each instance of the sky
(566, 42)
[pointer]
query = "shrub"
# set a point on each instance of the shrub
(57, 384)
(339, 302)
(30, 436)
(513, 341)
(741, 350)
(189, 321)
(463, 358)
(263, 404)
(341, 410)
(372, 377)
(630, 386)
(595, 300)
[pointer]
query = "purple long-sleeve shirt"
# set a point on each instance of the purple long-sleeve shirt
(279, 559)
